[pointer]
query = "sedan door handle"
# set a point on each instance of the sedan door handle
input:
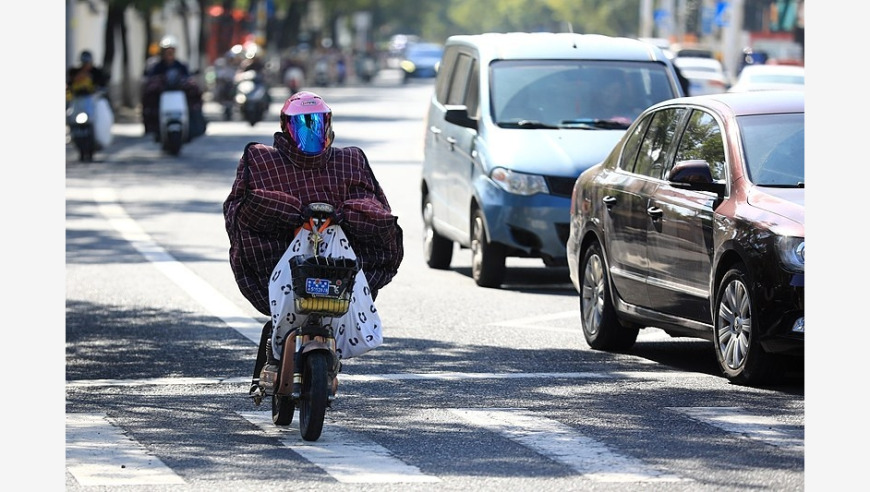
(654, 212)
(452, 142)
(434, 129)
(609, 201)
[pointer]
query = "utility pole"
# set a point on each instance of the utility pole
(732, 37)
(646, 18)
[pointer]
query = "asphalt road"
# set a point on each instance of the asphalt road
(486, 389)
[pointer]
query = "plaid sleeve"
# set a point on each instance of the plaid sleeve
(269, 212)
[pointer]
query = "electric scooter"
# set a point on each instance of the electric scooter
(90, 120)
(173, 114)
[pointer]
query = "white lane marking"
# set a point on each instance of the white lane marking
(559, 442)
(756, 427)
(171, 381)
(540, 323)
(213, 301)
(431, 376)
(362, 378)
(345, 455)
(98, 453)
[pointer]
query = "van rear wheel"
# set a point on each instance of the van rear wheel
(437, 250)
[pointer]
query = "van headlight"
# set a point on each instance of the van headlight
(791, 252)
(519, 183)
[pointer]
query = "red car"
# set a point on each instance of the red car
(694, 224)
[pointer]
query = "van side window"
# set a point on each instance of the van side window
(472, 95)
(459, 82)
(442, 81)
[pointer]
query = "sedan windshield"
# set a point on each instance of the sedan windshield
(774, 148)
(579, 94)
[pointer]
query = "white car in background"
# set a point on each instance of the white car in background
(769, 77)
(705, 75)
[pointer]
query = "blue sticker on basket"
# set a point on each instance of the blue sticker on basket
(318, 286)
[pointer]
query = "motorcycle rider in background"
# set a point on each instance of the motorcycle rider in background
(252, 68)
(225, 69)
(153, 84)
(85, 78)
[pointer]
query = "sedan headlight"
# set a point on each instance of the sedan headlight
(791, 252)
(519, 183)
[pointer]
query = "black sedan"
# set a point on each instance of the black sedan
(694, 224)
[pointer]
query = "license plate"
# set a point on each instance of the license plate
(317, 286)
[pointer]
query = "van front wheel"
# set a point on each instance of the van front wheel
(487, 259)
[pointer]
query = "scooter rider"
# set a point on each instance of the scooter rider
(85, 78)
(154, 82)
(272, 188)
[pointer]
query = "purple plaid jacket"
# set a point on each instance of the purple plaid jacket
(264, 208)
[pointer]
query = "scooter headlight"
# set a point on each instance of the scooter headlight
(82, 118)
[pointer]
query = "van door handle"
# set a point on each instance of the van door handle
(434, 129)
(452, 142)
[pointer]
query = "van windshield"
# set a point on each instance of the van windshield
(575, 93)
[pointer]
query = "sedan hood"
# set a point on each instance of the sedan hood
(785, 202)
(565, 152)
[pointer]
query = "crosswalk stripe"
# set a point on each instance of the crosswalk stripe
(664, 375)
(559, 442)
(98, 453)
(756, 427)
(345, 455)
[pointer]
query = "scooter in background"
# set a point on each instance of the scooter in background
(90, 120)
(173, 114)
(252, 95)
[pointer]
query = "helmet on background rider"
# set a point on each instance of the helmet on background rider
(168, 41)
(251, 50)
(86, 57)
(307, 122)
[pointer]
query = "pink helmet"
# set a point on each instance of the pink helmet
(307, 121)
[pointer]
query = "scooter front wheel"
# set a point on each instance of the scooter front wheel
(173, 142)
(315, 395)
(282, 410)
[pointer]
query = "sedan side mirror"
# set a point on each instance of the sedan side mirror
(695, 175)
(458, 115)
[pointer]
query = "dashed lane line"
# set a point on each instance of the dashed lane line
(213, 301)
(559, 442)
(345, 455)
(756, 427)
(99, 454)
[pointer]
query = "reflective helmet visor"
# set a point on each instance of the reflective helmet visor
(309, 131)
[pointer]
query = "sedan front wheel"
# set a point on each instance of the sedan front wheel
(736, 332)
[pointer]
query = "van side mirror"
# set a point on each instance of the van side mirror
(458, 115)
(695, 175)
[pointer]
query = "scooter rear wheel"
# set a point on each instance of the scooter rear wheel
(315, 395)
